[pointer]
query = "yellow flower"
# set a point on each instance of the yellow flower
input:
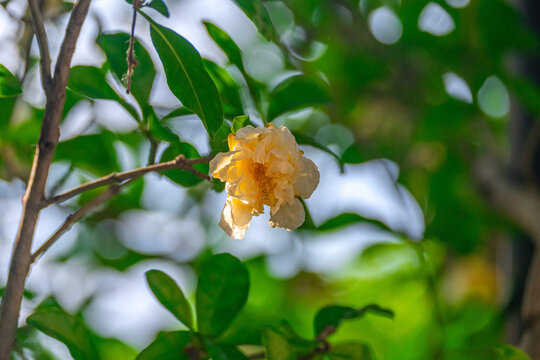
(264, 167)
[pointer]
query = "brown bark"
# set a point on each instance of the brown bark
(34, 195)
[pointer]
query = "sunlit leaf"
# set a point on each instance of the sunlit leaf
(67, 329)
(170, 296)
(296, 92)
(240, 122)
(9, 85)
(222, 291)
(167, 346)
(187, 78)
(114, 349)
(333, 315)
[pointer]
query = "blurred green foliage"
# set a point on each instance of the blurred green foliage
(391, 100)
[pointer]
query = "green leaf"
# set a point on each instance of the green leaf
(9, 85)
(333, 315)
(115, 47)
(181, 111)
(221, 142)
(276, 345)
(224, 41)
(221, 293)
(297, 92)
(223, 351)
(306, 140)
(183, 177)
(255, 10)
(67, 329)
(508, 352)
(159, 131)
(114, 349)
(170, 296)
(346, 219)
(240, 122)
(94, 153)
(351, 351)
(159, 6)
(187, 77)
(229, 90)
(90, 82)
(167, 346)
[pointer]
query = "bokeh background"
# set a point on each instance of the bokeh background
(419, 93)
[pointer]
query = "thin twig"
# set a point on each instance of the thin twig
(131, 60)
(76, 216)
(41, 36)
(180, 162)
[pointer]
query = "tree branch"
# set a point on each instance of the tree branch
(76, 216)
(180, 162)
(34, 195)
(43, 43)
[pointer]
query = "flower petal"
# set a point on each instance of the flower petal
(220, 164)
(289, 216)
(235, 218)
(308, 178)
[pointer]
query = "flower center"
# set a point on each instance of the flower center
(263, 182)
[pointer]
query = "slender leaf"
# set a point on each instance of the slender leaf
(67, 329)
(346, 219)
(167, 346)
(221, 293)
(296, 92)
(9, 85)
(181, 111)
(333, 315)
(90, 82)
(160, 131)
(224, 41)
(255, 10)
(187, 78)
(229, 90)
(170, 296)
(159, 6)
